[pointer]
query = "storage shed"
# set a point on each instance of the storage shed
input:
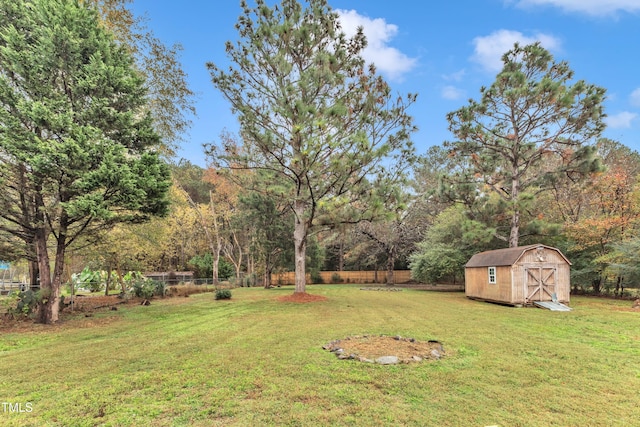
(519, 276)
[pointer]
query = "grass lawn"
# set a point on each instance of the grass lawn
(255, 361)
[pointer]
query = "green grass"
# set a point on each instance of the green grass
(255, 361)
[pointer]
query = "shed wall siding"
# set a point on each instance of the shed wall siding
(532, 257)
(477, 284)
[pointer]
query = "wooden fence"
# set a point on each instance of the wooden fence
(400, 276)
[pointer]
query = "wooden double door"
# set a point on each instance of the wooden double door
(540, 283)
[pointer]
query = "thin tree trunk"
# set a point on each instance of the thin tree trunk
(514, 235)
(216, 261)
(230, 252)
(300, 247)
(390, 264)
(56, 283)
(108, 281)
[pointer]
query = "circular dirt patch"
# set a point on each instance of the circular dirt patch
(302, 297)
(385, 349)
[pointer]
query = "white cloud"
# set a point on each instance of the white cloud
(620, 120)
(590, 7)
(455, 77)
(489, 49)
(387, 59)
(452, 93)
(634, 98)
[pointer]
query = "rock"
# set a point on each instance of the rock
(338, 351)
(365, 360)
(397, 338)
(438, 343)
(416, 358)
(387, 360)
(435, 354)
(114, 308)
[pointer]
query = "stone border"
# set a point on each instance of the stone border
(382, 289)
(336, 348)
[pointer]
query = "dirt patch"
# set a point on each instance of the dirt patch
(93, 302)
(302, 297)
(84, 308)
(67, 321)
(369, 348)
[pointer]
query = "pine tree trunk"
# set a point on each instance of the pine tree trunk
(514, 235)
(300, 243)
(515, 229)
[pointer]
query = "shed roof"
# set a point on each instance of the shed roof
(507, 256)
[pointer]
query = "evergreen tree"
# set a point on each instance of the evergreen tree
(77, 150)
(531, 128)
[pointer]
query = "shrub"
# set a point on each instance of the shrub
(142, 288)
(435, 262)
(335, 278)
(159, 288)
(316, 277)
(23, 303)
(88, 279)
(223, 294)
(203, 266)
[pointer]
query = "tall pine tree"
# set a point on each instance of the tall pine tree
(311, 112)
(531, 127)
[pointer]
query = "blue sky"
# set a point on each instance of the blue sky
(442, 50)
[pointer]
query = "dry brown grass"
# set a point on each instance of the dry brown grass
(187, 289)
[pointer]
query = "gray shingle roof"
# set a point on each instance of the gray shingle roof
(507, 256)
